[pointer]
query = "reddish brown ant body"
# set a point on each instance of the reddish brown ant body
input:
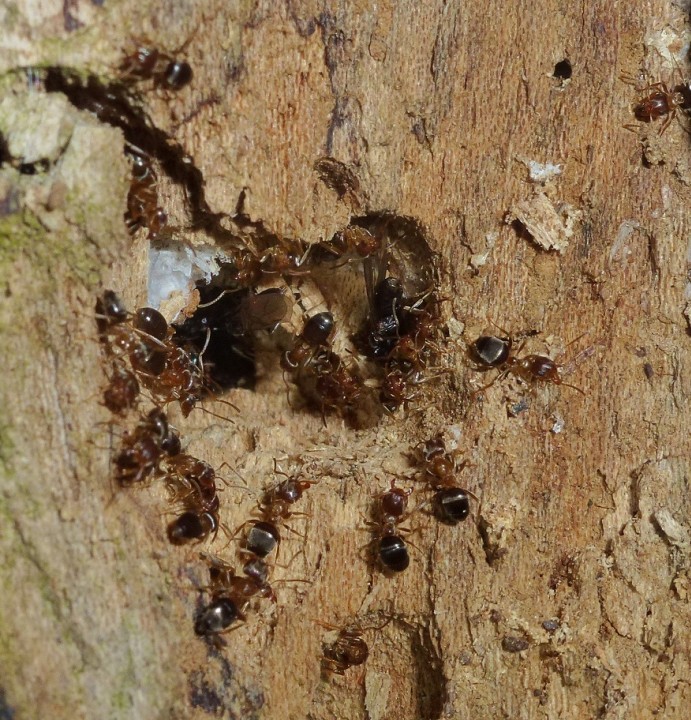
(660, 102)
(353, 241)
(143, 210)
(122, 391)
(348, 650)
(338, 386)
(143, 449)
(287, 257)
(196, 479)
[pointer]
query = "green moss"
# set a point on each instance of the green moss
(6, 447)
(22, 234)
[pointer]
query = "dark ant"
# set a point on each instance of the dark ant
(147, 352)
(230, 593)
(151, 351)
(148, 63)
(275, 506)
(392, 551)
(110, 311)
(217, 616)
(150, 322)
(489, 351)
(451, 503)
(190, 526)
(316, 333)
(386, 307)
(143, 449)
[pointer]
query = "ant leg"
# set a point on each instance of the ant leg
(667, 122)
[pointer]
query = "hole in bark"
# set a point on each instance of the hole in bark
(563, 70)
(229, 355)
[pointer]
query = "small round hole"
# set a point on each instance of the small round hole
(563, 70)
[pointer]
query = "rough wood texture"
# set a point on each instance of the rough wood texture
(566, 595)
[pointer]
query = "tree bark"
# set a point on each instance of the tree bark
(566, 594)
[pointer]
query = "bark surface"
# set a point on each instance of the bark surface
(566, 594)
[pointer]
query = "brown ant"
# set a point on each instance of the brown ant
(348, 650)
(195, 478)
(148, 63)
(353, 241)
(491, 352)
(122, 391)
(661, 102)
(143, 449)
(285, 258)
(143, 210)
(337, 385)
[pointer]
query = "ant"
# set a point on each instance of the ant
(143, 210)
(122, 391)
(491, 352)
(285, 258)
(191, 525)
(231, 593)
(148, 63)
(193, 483)
(143, 449)
(147, 352)
(316, 333)
(387, 302)
(197, 478)
(338, 386)
(392, 551)
(352, 241)
(264, 535)
(348, 650)
(451, 503)
(394, 390)
(661, 102)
